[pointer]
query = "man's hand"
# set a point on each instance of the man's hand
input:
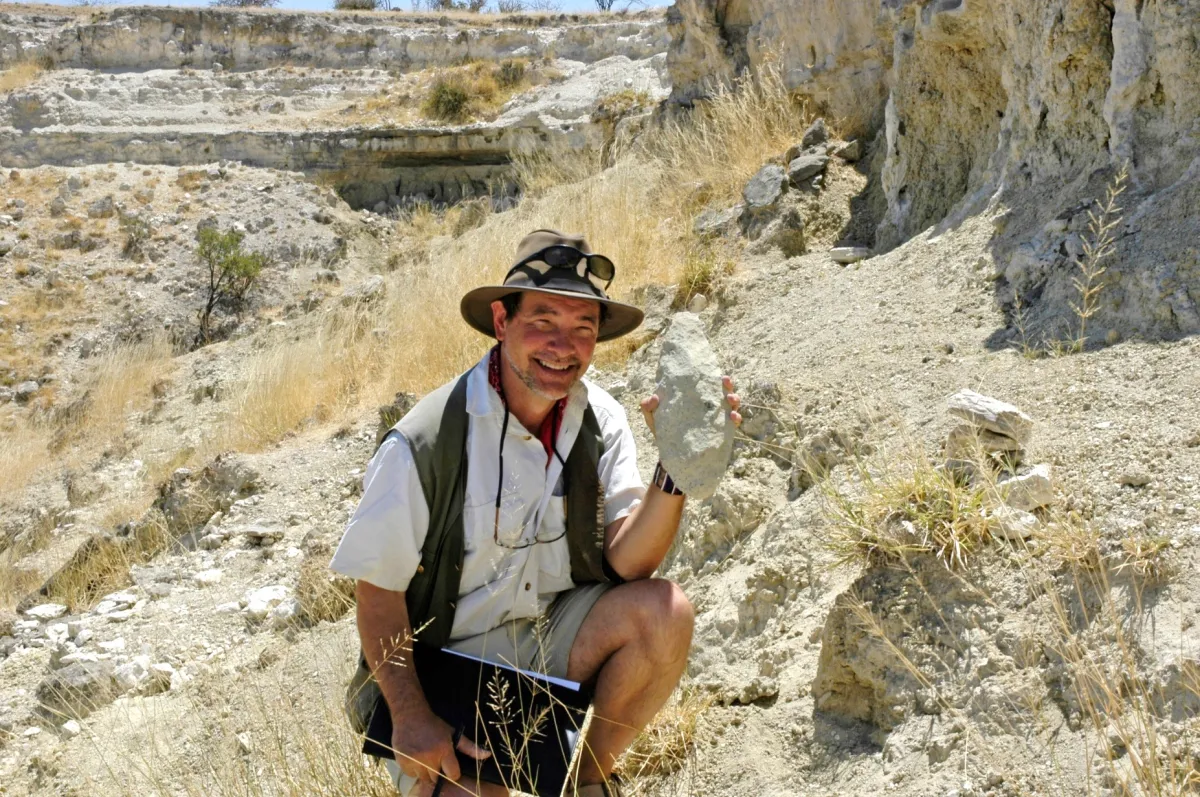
(649, 405)
(424, 748)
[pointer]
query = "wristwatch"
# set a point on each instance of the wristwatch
(662, 480)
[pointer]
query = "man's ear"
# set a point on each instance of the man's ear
(499, 319)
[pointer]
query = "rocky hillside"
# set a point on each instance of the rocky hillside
(1016, 111)
(955, 552)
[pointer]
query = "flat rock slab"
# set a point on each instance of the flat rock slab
(991, 414)
(806, 167)
(849, 254)
(695, 434)
(1030, 490)
(765, 187)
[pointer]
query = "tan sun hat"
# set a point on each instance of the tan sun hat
(562, 265)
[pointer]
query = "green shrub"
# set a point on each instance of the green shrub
(511, 72)
(231, 273)
(449, 99)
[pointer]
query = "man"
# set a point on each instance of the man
(531, 584)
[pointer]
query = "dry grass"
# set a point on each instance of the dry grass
(905, 505)
(15, 582)
(473, 91)
(122, 380)
(101, 565)
(24, 454)
(20, 75)
(667, 744)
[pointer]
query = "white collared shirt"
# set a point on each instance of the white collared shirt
(382, 542)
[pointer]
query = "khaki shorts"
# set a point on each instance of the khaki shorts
(542, 645)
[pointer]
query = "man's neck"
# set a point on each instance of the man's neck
(526, 406)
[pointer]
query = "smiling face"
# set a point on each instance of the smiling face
(548, 342)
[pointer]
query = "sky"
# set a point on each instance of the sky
(325, 5)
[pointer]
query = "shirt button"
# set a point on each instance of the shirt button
(528, 586)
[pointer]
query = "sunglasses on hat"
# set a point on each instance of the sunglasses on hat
(598, 269)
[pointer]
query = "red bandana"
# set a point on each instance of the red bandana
(548, 432)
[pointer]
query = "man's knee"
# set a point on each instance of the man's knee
(665, 619)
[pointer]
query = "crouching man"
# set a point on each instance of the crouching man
(528, 474)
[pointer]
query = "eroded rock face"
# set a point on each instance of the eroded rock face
(170, 38)
(695, 435)
(1049, 98)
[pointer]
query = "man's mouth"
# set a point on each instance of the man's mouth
(557, 367)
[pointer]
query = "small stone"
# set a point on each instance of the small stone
(1030, 490)
(1135, 478)
(966, 442)
(992, 414)
(1011, 524)
(71, 729)
(245, 743)
(850, 152)
(805, 168)
(25, 391)
(327, 277)
(765, 188)
(693, 428)
(131, 674)
(717, 223)
(262, 535)
(697, 303)
(102, 208)
(78, 689)
(815, 135)
(260, 602)
(368, 290)
(46, 611)
(58, 206)
(849, 254)
(207, 577)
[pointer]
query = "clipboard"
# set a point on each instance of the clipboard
(530, 722)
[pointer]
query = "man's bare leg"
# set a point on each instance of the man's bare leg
(635, 642)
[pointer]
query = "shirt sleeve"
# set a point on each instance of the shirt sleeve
(382, 542)
(623, 488)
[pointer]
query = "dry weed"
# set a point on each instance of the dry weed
(24, 453)
(668, 742)
(101, 565)
(20, 75)
(906, 505)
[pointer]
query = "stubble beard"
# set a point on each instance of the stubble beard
(528, 379)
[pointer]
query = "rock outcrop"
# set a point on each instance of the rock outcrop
(1021, 111)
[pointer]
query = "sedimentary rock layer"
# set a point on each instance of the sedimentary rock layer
(1022, 110)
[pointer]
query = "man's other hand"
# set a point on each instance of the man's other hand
(424, 748)
(650, 404)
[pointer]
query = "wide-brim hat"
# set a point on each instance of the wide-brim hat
(536, 277)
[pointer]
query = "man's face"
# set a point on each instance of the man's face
(549, 341)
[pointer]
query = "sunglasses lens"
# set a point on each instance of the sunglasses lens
(602, 267)
(559, 256)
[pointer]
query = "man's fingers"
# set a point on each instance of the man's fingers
(450, 766)
(649, 405)
(468, 747)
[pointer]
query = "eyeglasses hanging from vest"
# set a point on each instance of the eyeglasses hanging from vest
(500, 491)
(599, 270)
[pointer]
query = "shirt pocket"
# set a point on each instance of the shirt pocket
(554, 558)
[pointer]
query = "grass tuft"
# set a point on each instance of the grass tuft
(903, 509)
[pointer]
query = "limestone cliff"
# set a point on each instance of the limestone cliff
(1021, 110)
